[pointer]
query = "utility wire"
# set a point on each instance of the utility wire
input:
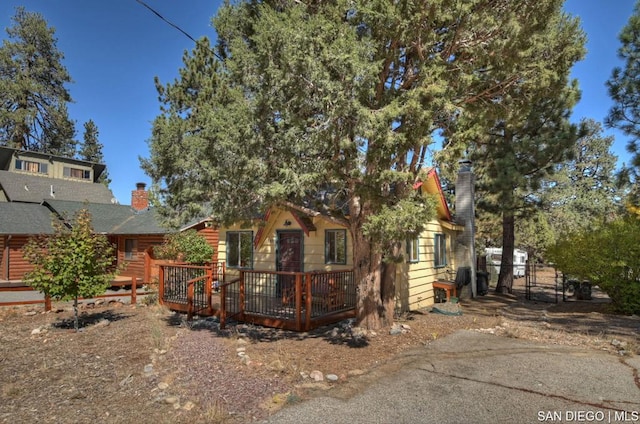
(174, 25)
(163, 18)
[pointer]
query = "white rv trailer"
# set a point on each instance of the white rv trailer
(494, 258)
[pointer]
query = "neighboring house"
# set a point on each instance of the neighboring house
(34, 187)
(290, 241)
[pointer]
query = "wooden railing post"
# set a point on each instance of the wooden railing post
(160, 284)
(298, 301)
(308, 301)
(134, 290)
(47, 303)
(190, 296)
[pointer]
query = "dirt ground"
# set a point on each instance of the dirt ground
(147, 364)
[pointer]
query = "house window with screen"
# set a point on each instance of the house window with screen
(412, 249)
(335, 246)
(76, 173)
(30, 166)
(240, 249)
(130, 247)
(440, 250)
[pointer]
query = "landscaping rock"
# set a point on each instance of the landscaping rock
(316, 376)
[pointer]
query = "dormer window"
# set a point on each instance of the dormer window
(77, 173)
(31, 166)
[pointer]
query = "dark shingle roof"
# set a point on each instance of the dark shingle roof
(24, 219)
(111, 218)
(21, 187)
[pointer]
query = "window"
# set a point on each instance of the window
(77, 173)
(130, 247)
(30, 166)
(335, 246)
(240, 249)
(412, 249)
(440, 251)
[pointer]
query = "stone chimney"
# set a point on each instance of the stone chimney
(140, 197)
(465, 216)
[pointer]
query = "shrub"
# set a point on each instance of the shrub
(188, 246)
(607, 256)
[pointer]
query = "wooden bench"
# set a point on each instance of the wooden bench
(448, 286)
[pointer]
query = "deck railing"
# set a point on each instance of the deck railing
(291, 300)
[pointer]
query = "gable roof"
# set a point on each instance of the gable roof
(20, 187)
(24, 219)
(430, 183)
(111, 218)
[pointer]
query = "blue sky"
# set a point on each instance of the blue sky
(113, 50)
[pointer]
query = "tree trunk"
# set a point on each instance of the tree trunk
(505, 278)
(368, 275)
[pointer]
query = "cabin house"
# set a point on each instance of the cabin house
(34, 187)
(289, 241)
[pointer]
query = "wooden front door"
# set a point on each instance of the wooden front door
(289, 258)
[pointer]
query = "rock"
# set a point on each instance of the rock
(241, 349)
(355, 373)
(188, 406)
(30, 313)
(36, 331)
(148, 369)
(332, 377)
(304, 375)
(316, 376)
(171, 400)
(395, 330)
(103, 323)
(99, 302)
(163, 386)
(405, 327)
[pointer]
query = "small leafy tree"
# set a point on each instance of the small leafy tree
(73, 262)
(190, 246)
(609, 257)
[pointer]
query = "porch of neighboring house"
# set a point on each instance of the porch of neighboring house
(299, 301)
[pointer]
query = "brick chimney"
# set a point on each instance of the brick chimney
(140, 197)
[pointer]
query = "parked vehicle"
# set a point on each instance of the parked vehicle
(494, 259)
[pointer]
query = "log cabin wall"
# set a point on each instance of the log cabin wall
(16, 265)
(211, 234)
(4, 265)
(131, 251)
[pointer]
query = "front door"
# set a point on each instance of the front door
(288, 258)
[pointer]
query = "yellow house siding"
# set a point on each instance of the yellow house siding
(414, 281)
(264, 255)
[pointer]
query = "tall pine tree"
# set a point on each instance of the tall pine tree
(624, 89)
(33, 96)
(530, 134)
(91, 149)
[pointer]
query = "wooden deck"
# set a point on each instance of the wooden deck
(289, 300)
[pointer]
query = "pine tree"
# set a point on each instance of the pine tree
(33, 96)
(91, 149)
(303, 95)
(624, 89)
(529, 135)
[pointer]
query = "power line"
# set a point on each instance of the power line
(163, 18)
